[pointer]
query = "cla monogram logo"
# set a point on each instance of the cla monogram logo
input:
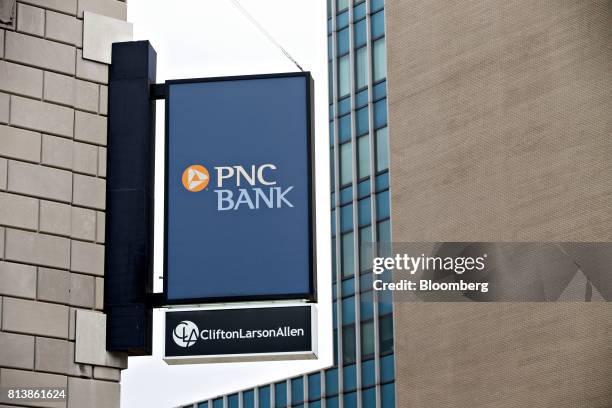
(195, 178)
(185, 333)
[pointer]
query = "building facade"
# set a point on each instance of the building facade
(364, 360)
(500, 131)
(53, 106)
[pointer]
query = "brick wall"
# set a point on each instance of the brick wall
(52, 199)
(500, 130)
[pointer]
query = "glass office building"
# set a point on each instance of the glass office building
(363, 371)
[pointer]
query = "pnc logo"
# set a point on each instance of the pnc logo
(195, 178)
(185, 333)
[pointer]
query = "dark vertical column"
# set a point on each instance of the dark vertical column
(129, 198)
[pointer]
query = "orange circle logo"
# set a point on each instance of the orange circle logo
(195, 178)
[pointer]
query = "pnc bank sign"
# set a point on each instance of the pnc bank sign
(239, 181)
(239, 187)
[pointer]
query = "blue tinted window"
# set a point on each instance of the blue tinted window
(344, 128)
(382, 205)
(365, 208)
(342, 20)
(367, 338)
(382, 181)
(348, 255)
(280, 394)
(333, 222)
(365, 249)
(346, 163)
(346, 195)
(314, 404)
(203, 404)
(385, 300)
(361, 68)
(363, 156)
(379, 60)
(350, 377)
(368, 398)
(333, 254)
(361, 35)
(297, 390)
(349, 346)
(330, 43)
(329, 26)
(331, 135)
(387, 393)
(363, 189)
(332, 402)
(384, 231)
(335, 291)
(350, 399)
(367, 304)
(346, 217)
(385, 332)
(387, 368)
(331, 381)
(378, 24)
(359, 11)
(348, 287)
(368, 373)
(382, 149)
(264, 396)
(344, 84)
(380, 91)
(218, 403)
(380, 113)
(376, 5)
(341, 5)
(365, 285)
(314, 386)
(232, 401)
(335, 313)
(248, 399)
(344, 106)
(361, 99)
(342, 41)
(362, 122)
(333, 199)
(348, 310)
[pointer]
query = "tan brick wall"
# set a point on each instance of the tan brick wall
(500, 117)
(52, 201)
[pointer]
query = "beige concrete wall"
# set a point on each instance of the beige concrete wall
(500, 117)
(52, 201)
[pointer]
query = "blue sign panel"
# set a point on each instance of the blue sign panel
(239, 189)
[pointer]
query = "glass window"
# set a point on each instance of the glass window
(346, 195)
(348, 344)
(280, 394)
(380, 113)
(263, 394)
(330, 80)
(379, 64)
(344, 128)
(382, 205)
(333, 254)
(363, 156)
(342, 20)
(368, 398)
(382, 149)
(203, 404)
(366, 303)
(314, 404)
(218, 403)
(333, 222)
(297, 390)
(384, 231)
(359, 11)
(248, 399)
(368, 373)
(343, 76)
(367, 338)
(377, 22)
(350, 399)
(365, 215)
(385, 324)
(382, 181)
(365, 253)
(387, 394)
(232, 401)
(348, 310)
(346, 163)
(362, 121)
(380, 91)
(330, 43)
(346, 217)
(363, 189)
(365, 285)
(341, 5)
(385, 297)
(349, 377)
(342, 41)
(331, 402)
(348, 287)
(376, 5)
(331, 381)
(344, 106)
(348, 255)
(360, 33)
(314, 386)
(387, 368)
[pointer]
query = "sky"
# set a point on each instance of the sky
(207, 38)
